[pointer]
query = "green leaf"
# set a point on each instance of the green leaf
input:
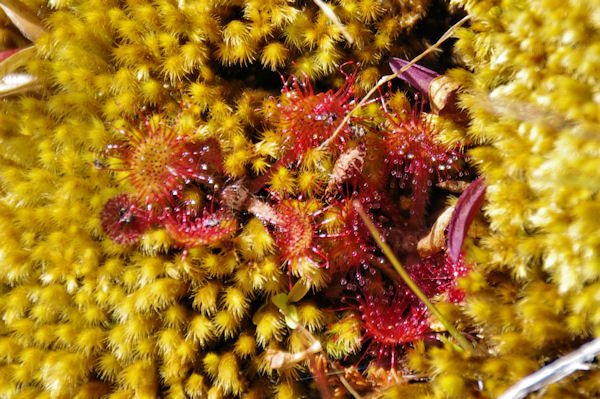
(291, 317)
(298, 291)
(290, 311)
(281, 301)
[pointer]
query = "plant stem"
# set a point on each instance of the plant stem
(411, 284)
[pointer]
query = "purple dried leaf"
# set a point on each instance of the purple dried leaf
(441, 90)
(464, 213)
(417, 76)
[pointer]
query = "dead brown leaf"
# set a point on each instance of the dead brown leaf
(24, 18)
(16, 60)
(435, 240)
(454, 186)
(350, 161)
(16, 83)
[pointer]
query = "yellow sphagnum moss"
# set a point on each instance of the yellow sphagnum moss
(84, 317)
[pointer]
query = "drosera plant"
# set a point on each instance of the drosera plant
(164, 166)
(310, 234)
(464, 343)
(394, 310)
(158, 160)
(406, 138)
(395, 307)
(305, 119)
(390, 317)
(353, 251)
(387, 78)
(297, 230)
(190, 230)
(415, 155)
(316, 167)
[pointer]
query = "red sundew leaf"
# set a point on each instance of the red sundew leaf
(191, 231)
(123, 220)
(466, 208)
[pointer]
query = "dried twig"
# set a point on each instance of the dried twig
(454, 186)
(17, 83)
(555, 371)
(283, 360)
(350, 161)
(334, 18)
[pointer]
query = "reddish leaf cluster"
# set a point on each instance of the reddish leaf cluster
(397, 156)
(296, 228)
(191, 230)
(160, 163)
(414, 155)
(393, 316)
(307, 119)
(387, 163)
(356, 251)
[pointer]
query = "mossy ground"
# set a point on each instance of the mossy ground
(84, 317)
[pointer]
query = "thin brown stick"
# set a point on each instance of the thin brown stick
(334, 18)
(387, 78)
(312, 345)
